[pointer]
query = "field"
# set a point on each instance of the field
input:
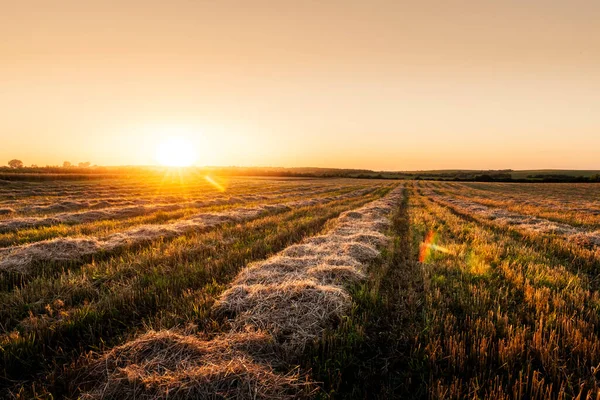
(200, 287)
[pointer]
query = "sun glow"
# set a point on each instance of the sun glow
(176, 152)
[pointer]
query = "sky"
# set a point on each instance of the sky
(384, 85)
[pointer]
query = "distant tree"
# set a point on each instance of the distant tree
(84, 164)
(14, 164)
(34, 165)
(67, 164)
(484, 178)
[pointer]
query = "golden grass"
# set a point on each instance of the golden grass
(508, 316)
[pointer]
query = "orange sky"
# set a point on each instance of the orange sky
(373, 84)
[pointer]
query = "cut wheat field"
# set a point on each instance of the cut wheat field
(275, 288)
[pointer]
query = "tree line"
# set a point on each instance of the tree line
(18, 164)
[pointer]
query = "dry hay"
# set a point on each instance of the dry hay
(335, 274)
(525, 222)
(588, 239)
(22, 259)
(76, 205)
(294, 312)
(65, 205)
(280, 268)
(274, 270)
(122, 212)
(298, 293)
(23, 223)
(165, 364)
(6, 211)
(359, 251)
(276, 306)
(66, 250)
(335, 246)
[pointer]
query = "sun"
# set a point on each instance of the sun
(175, 152)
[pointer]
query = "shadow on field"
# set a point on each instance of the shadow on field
(374, 353)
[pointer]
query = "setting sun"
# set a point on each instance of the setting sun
(175, 152)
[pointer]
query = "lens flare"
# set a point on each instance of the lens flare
(430, 245)
(216, 184)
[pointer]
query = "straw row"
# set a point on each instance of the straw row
(276, 307)
(527, 223)
(24, 258)
(134, 211)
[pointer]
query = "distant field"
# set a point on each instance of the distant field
(526, 173)
(145, 173)
(199, 287)
(516, 174)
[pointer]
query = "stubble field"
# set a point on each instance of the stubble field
(290, 288)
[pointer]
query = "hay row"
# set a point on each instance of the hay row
(528, 199)
(73, 189)
(298, 293)
(73, 205)
(114, 213)
(98, 202)
(276, 308)
(24, 258)
(170, 365)
(526, 223)
(42, 194)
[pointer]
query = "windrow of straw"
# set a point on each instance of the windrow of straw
(113, 196)
(74, 205)
(167, 364)
(114, 213)
(544, 196)
(24, 259)
(519, 221)
(275, 307)
(96, 203)
(298, 293)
